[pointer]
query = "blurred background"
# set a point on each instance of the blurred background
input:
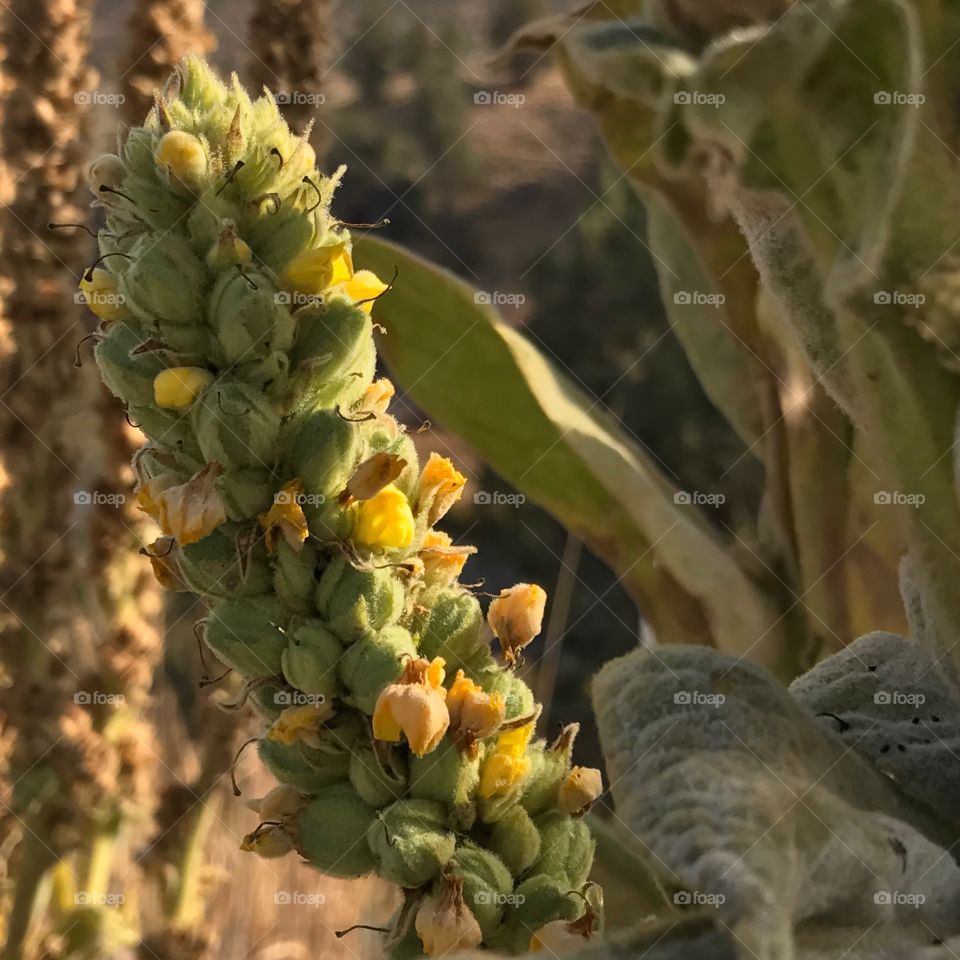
(507, 186)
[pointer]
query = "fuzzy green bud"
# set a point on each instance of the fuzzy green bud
(311, 658)
(236, 425)
(538, 900)
(448, 776)
(486, 884)
(248, 635)
(411, 841)
(221, 566)
(567, 848)
(378, 773)
(372, 663)
(516, 840)
(249, 322)
(288, 765)
(330, 832)
(355, 603)
(453, 628)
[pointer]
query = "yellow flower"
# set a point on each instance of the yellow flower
(286, 517)
(440, 487)
(579, 790)
(182, 155)
(507, 765)
(316, 270)
(474, 714)
(176, 388)
(444, 923)
(267, 842)
(301, 723)
(385, 521)
(378, 395)
(442, 560)
(229, 248)
(187, 511)
(516, 616)
(414, 706)
(362, 288)
(102, 295)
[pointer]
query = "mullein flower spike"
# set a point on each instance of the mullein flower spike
(239, 335)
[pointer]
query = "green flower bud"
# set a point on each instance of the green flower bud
(249, 322)
(164, 286)
(167, 427)
(377, 773)
(278, 237)
(399, 443)
(311, 658)
(448, 776)
(408, 947)
(220, 567)
(411, 841)
(538, 900)
(323, 451)
(334, 357)
(248, 635)
(566, 847)
(372, 663)
(294, 575)
(246, 491)
(452, 628)
(330, 832)
(486, 884)
(516, 840)
(517, 696)
(355, 603)
(548, 767)
(127, 375)
(236, 425)
(288, 765)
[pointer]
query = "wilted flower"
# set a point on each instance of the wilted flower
(582, 786)
(474, 714)
(187, 511)
(440, 487)
(516, 616)
(162, 556)
(415, 706)
(301, 723)
(281, 802)
(444, 923)
(507, 764)
(267, 842)
(286, 517)
(442, 560)
(559, 936)
(372, 476)
(385, 521)
(176, 388)
(378, 395)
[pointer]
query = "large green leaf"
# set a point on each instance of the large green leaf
(486, 382)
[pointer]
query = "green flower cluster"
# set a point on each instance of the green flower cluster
(239, 336)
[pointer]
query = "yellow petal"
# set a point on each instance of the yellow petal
(286, 517)
(191, 510)
(313, 271)
(182, 154)
(440, 487)
(176, 388)
(362, 288)
(102, 295)
(516, 616)
(385, 521)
